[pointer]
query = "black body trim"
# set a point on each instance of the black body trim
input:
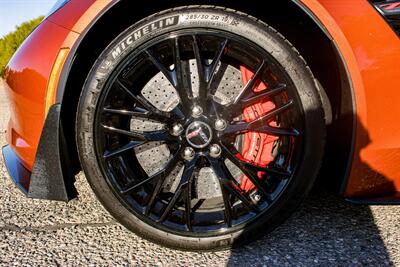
(385, 200)
(51, 178)
(19, 174)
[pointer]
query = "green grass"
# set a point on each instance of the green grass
(10, 42)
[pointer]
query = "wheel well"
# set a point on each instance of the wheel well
(287, 18)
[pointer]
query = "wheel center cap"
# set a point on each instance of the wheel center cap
(198, 134)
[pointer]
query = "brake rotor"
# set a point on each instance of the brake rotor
(161, 94)
(255, 147)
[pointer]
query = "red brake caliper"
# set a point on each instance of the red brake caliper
(257, 147)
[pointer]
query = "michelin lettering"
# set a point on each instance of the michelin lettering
(157, 25)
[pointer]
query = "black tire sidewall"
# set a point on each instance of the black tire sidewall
(224, 20)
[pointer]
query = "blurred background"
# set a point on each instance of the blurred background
(17, 19)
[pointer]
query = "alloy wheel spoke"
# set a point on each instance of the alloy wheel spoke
(236, 108)
(130, 145)
(206, 71)
(250, 173)
(174, 76)
(154, 195)
(188, 206)
(177, 112)
(182, 85)
(124, 112)
(251, 84)
(148, 136)
(136, 113)
(160, 176)
(124, 88)
(228, 206)
(153, 113)
(261, 124)
(229, 185)
(257, 97)
(198, 204)
(279, 173)
(143, 108)
(169, 74)
(238, 159)
(212, 67)
(170, 205)
(235, 190)
(186, 179)
(200, 62)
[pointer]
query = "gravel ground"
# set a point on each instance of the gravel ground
(325, 231)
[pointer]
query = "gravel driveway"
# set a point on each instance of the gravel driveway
(325, 231)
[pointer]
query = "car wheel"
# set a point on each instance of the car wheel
(200, 128)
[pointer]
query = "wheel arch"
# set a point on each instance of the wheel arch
(291, 16)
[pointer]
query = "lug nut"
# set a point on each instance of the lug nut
(197, 111)
(188, 153)
(215, 150)
(257, 197)
(220, 124)
(177, 129)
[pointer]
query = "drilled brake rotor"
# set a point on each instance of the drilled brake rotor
(153, 156)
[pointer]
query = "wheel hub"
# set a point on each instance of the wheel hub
(198, 134)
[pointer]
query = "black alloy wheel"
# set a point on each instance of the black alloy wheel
(168, 134)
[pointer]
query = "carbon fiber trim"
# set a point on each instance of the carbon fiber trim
(51, 177)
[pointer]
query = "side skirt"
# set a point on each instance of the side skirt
(384, 200)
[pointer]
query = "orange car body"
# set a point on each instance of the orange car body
(368, 46)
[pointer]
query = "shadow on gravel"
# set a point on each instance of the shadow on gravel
(325, 230)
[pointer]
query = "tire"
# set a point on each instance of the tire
(303, 164)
